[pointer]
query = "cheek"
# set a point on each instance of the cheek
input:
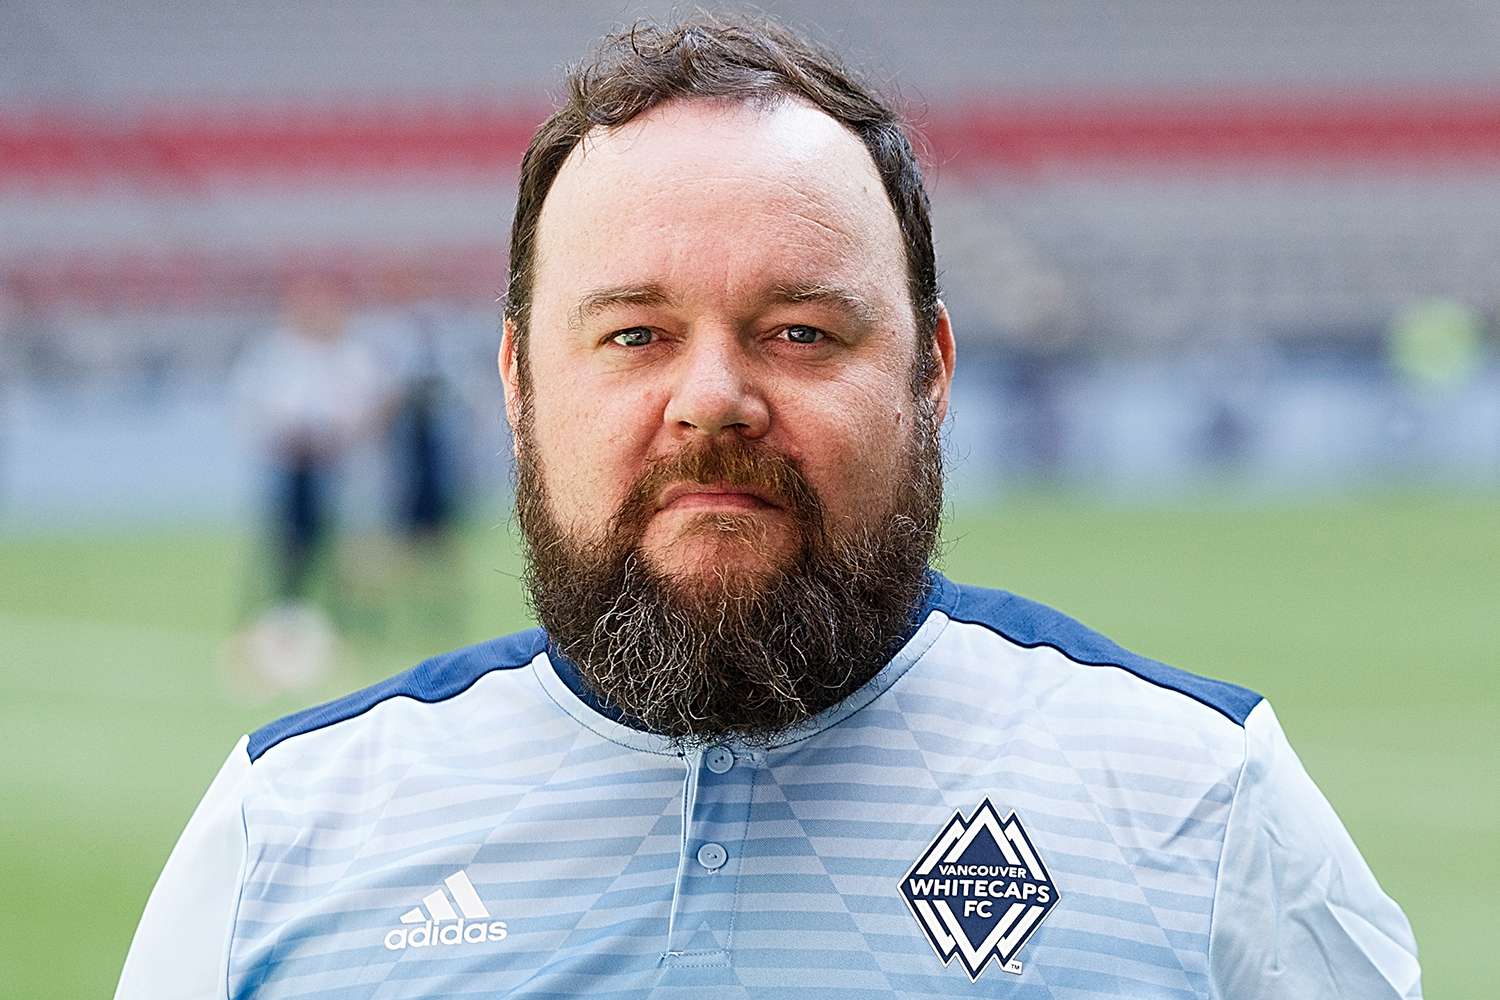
(852, 444)
(590, 447)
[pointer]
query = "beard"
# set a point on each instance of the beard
(725, 653)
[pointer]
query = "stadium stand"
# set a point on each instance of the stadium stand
(1138, 182)
(1310, 168)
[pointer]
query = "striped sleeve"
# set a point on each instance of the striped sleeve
(1297, 912)
(181, 947)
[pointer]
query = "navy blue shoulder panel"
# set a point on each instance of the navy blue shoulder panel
(1030, 624)
(433, 680)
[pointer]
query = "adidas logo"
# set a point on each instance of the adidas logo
(441, 924)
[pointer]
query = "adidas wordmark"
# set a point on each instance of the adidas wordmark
(441, 924)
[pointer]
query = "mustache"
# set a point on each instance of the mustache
(731, 461)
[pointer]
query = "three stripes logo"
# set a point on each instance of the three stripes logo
(441, 924)
(980, 890)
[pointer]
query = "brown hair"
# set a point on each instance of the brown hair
(717, 57)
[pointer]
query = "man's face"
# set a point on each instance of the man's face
(728, 481)
(713, 271)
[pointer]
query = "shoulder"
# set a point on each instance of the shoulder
(1292, 883)
(433, 681)
(1029, 625)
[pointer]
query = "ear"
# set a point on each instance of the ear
(943, 357)
(510, 379)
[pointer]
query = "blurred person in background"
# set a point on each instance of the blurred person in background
(758, 748)
(423, 350)
(309, 390)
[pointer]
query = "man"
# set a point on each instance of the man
(308, 391)
(758, 749)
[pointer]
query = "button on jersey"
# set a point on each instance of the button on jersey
(1014, 807)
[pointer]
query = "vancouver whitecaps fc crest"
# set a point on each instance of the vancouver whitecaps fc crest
(980, 890)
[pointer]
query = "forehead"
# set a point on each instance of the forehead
(728, 195)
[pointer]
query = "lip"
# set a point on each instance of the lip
(713, 496)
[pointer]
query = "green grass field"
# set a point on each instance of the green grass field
(1373, 625)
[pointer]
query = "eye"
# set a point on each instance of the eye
(636, 336)
(804, 334)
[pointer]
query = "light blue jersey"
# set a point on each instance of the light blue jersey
(1013, 807)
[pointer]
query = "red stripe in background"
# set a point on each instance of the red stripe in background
(184, 149)
(1227, 132)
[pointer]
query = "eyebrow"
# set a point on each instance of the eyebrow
(597, 301)
(794, 292)
(824, 294)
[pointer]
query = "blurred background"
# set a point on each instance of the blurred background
(1225, 277)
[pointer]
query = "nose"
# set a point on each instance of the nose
(716, 389)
